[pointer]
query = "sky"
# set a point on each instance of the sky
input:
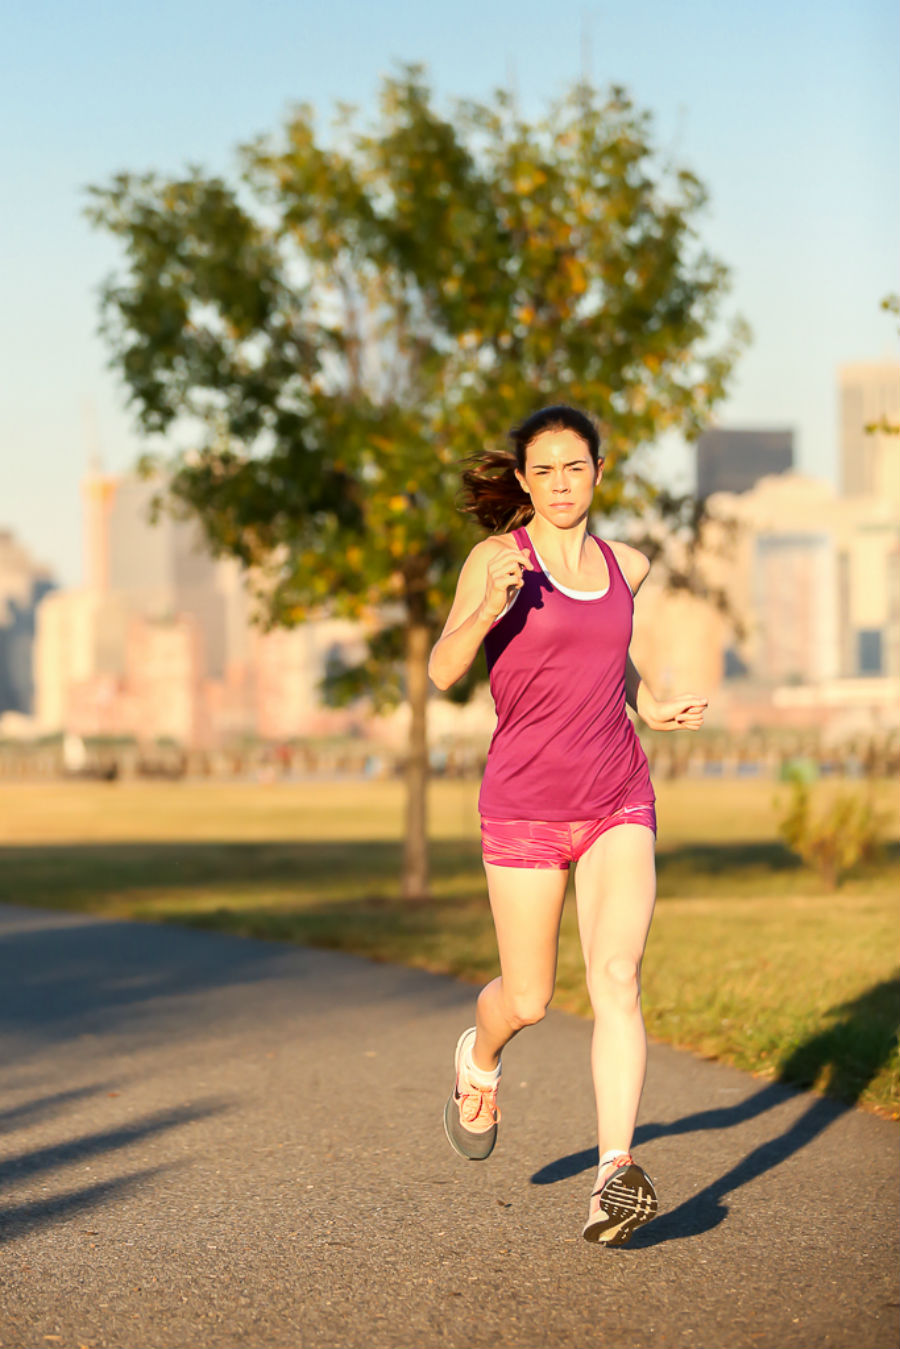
(787, 110)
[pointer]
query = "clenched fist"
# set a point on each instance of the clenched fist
(504, 578)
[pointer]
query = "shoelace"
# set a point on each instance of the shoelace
(477, 1100)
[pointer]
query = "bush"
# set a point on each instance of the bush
(848, 831)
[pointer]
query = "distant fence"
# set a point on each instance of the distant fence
(774, 754)
(766, 754)
(113, 760)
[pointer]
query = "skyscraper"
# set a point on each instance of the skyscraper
(732, 460)
(869, 397)
(23, 584)
(160, 641)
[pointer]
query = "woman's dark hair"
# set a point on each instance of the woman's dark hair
(490, 489)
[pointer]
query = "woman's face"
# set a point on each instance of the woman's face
(560, 476)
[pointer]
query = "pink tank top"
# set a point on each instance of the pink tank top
(563, 747)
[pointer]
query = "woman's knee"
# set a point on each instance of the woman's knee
(527, 1012)
(616, 982)
(525, 1009)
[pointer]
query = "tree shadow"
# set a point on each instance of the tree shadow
(27, 1164)
(717, 859)
(870, 1020)
(18, 1219)
(73, 875)
(697, 869)
(63, 975)
(30, 1112)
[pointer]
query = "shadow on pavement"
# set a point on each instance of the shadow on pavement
(822, 1053)
(30, 1112)
(71, 976)
(64, 976)
(18, 1218)
(28, 1164)
(705, 1210)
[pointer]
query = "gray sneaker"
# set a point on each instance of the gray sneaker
(470, 1115)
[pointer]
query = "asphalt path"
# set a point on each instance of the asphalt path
(215, 1142)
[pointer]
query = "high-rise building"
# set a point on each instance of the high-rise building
(23, 584)
(160, 640)
(732, 460)
(165, 566)
(869, 406)
(794, 578)
(811, 577)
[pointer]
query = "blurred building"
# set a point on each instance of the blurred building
(732, 460)
(869, 397)
(23, 584)
(680, 640)
(160, 643)
(810, 577)
(813, 577)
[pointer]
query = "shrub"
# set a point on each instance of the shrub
(849, 830)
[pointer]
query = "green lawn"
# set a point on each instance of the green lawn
(749, 961)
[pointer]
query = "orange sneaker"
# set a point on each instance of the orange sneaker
(470, 1115)
(623, 1202)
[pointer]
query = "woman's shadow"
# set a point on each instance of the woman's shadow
(853, 1049)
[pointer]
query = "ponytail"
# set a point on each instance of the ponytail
(492, 492)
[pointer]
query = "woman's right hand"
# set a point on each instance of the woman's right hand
(504, 578)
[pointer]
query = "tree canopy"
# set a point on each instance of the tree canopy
(338, 325)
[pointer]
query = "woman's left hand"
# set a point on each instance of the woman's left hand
(684, 713)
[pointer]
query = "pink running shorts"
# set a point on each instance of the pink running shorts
(552, 844)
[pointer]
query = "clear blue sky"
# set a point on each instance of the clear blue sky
(787, 110)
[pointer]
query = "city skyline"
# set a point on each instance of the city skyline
(787, 116)
(159, 640)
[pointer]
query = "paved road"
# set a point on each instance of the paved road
(214, 1142)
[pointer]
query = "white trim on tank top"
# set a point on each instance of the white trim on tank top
(566, 590)
(580, 594)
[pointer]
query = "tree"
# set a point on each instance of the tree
(340, 325)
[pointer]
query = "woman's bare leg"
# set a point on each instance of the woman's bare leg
(527, 905)
(615, 889)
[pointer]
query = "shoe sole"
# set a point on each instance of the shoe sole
(451, 1105)
(627, 1201)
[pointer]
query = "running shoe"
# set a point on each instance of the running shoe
(470, 1115)
(624, 1201)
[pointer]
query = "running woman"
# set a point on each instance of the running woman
(566, 781)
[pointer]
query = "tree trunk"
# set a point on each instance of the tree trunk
(415, 848)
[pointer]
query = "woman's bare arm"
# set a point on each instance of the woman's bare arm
(683, 713)
(490, 575)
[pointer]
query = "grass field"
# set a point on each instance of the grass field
(748, 961)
